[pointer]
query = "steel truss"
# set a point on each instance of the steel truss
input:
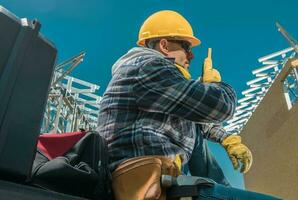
(264, 78)
(72, 103)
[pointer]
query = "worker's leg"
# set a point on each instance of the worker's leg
(220, 192)
(203, 164)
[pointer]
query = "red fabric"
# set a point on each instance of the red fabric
(53, 145)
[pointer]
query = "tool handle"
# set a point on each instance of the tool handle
(168, 181)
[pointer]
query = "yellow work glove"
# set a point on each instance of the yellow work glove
(178, 161)
(238, 152)
(210, 74)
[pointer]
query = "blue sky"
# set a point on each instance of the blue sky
(238, 31)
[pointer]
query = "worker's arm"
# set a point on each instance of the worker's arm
(236, 150)
(160, 87)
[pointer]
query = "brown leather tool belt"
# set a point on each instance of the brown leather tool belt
(139, 178)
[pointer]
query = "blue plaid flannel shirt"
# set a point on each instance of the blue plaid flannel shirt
(149, 108)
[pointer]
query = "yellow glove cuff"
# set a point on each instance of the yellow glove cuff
(231, 140)
(183, 71)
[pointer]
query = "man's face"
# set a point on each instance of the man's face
(180, 50)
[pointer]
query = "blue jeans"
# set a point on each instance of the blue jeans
(203, 164)
(220, 192)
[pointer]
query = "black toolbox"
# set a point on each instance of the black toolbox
(27, 62)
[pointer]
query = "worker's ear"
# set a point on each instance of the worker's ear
(163, 46)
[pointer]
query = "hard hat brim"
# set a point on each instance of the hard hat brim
(191, 39)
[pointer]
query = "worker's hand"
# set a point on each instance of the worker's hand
(210, 74)
(238, 152)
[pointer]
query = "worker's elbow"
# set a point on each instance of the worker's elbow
(224, 113)
(228, 109)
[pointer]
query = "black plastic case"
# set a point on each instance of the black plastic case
(27, 61)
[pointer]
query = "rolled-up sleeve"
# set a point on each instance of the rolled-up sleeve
(159, 87)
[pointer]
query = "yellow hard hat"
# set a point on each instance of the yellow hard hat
(167, 23)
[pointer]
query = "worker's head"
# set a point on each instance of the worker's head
(169, 33)
(173, 48)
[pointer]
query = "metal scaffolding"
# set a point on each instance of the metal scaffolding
(72, 103)
(264, 77)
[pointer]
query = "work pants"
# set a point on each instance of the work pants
(221, 192)
(203, 163)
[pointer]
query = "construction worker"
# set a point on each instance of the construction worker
(152, 107)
